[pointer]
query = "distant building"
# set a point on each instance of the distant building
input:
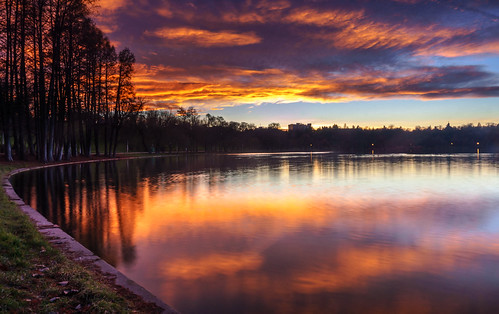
(299, 127)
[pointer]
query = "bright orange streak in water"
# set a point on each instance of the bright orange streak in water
(362, 228)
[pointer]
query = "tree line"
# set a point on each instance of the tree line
(63, 86)
(185, 130)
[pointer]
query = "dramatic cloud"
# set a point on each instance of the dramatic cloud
(204, 38)
(237, 86)
(225, 53)
(356, 32)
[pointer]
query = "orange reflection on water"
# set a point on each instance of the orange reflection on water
(290, 234)
(213, 264)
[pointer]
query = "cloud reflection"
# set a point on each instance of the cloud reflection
(264, 230)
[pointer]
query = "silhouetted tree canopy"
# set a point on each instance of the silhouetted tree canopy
(186, 131)
(63, 87)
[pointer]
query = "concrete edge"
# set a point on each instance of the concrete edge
(54, 234)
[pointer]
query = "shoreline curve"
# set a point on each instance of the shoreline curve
(77, 252)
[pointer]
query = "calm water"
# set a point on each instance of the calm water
(289, 233)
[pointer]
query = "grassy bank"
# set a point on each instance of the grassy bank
(36, 277)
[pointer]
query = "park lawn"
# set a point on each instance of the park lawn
(36, 277)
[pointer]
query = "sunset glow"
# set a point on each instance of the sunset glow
(245, 54)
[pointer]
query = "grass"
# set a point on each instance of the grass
(38, 278)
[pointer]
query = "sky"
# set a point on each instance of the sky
(371, 63)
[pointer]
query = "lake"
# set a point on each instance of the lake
(289, 233)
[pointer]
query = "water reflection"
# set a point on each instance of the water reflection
(276, 233)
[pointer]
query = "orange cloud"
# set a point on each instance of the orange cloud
(165, 10)
(371, 34)
(323, 18)
(228, 86)
(243, 18)
(354, 30)
(223, 84)
(110, 5)
(205, 38)
(461, 49)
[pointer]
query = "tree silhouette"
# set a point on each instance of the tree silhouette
(60, 81)
(214, 134)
